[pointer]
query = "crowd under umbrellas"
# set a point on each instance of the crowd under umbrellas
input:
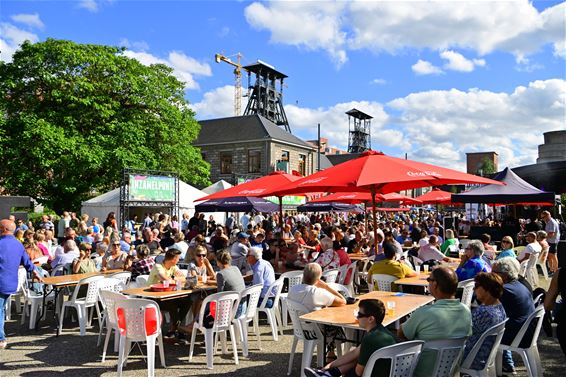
(271, 251)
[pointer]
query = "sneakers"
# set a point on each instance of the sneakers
(3, 344)
(309, 372)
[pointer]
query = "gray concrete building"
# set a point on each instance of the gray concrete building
(554, 147)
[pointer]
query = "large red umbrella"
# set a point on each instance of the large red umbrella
(436, 197)
(258, 188)
(395, 197)
(347, 197)
(378, 173)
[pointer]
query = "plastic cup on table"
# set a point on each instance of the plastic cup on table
(165, 283)
(425, 268)
(390, 308)
(280, 264)
(418, 269)
(204, 278)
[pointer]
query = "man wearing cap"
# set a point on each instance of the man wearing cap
(263, 272)
(239, 250)
(84, 264)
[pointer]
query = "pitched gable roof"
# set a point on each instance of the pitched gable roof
(244, 128)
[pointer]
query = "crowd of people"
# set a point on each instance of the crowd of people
(159, 245)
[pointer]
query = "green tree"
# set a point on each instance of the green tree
(74, 115)
(487, 167)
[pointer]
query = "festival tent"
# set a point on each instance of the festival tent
(237, 204)
(108, 202)
(215, 187)
(514, 191)
(436, 196)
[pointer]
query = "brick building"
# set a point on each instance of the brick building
(251, 146)
(474, 161)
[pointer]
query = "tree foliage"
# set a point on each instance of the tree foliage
(487, 167)
(74, 115)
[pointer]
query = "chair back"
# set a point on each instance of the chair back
(142, 281)
(448, 354)
(535, 317)
(58, 270)
(137, 318)
(123, 276)
(274, 291)
(109, 284)
(302, 329)
(224, 304)
(22, 280)
(495, 333)
(539, 300)
(382, 281)
(293, 278)
(330, 276)
(253, 294)
(404, 357)
(342, 289)
(347, 276)
(92, 289)
(468, 293)
(109, 301)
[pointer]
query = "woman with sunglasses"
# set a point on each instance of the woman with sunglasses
(488, 289)
(507, 248)
(116, 259)
(200, 265)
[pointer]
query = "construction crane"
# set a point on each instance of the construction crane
(237, 79)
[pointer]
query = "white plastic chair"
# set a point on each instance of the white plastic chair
(81, 304)
(141, 281)
(330, 276)
(273, 314)
(448, 354)
(309, 333)
(468, 293)
(34, 302)
(363, 274)
(529, 270)
(107, 284)
(139, 320)
(22, 281)
(383, 282)
(225, 308)
(293, 278)
(342, 289)
(530, 354)
(242, 322)
(404, 357)
(541, 261)
(110, 300)
(123, 276)
(59, 270)
(493, 332)
(348, 272)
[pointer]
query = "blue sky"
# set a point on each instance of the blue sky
(440, 78)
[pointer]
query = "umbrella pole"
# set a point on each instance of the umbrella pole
(280, 212)
(366, 214)
(374, 221)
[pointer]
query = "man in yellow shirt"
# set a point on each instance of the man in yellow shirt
(390, 266)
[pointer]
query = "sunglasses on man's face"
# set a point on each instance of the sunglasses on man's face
(201, 255)
(361, 315)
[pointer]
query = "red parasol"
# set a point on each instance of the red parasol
(436, 197)
(395, 197)
(378, 173)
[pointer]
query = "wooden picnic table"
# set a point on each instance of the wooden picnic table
(357, 256)
(146, 292)
(343, 316)
(418, 281)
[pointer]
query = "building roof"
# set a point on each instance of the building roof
(336, 159)
(244, 128)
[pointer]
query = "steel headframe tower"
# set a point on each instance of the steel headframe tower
(359, 125)
(265, 96)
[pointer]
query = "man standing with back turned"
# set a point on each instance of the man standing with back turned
(12, 255)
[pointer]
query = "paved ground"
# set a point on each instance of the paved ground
(40, 353)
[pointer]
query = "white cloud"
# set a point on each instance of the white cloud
(443, 125)
(11, 37)
(310, 24)
(516, 27)
(134, 45)
(457, 61)
(422, 67)
(378, 81)
(218, 103)
(184, 67)
(90, 5)
(31, 20)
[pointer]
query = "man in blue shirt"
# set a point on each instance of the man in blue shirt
(12, 255)
(472, 263)
(263, 272)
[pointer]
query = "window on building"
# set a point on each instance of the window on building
(254, 161)
(284, 155)
(302, 164)
(225, 163)
(203, 155)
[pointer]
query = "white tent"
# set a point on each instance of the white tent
(215, 187)
(108, 202)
